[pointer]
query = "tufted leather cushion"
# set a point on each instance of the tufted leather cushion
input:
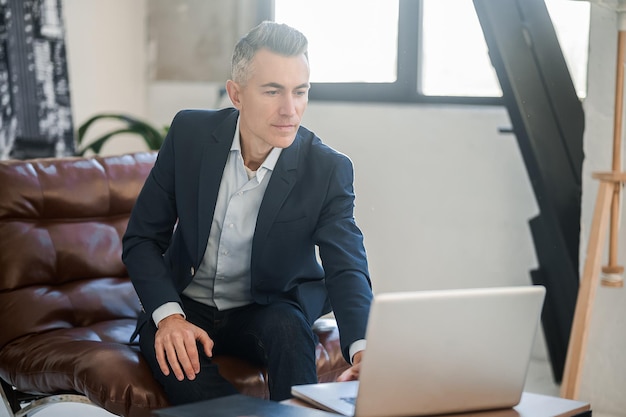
(67, 307)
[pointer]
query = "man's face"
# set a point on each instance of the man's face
(273, 100)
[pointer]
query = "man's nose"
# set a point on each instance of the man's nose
(288, 105)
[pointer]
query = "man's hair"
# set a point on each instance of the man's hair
(276, 37)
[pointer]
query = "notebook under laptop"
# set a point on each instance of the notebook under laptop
(438, 352)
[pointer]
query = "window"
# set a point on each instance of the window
(352, 37)
(455, 60)
(459, 65)
(373, 50)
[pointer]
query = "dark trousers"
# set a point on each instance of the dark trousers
(276, 336)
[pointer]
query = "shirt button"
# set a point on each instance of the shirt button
(231, 225)
(225, 252)
(193, 271)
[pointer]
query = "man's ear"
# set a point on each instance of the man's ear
(233, 89)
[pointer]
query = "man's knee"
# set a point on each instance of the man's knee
(285, 318)
(284, 326)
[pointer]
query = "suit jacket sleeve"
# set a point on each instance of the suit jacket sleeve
(149, 232)
(343, 256)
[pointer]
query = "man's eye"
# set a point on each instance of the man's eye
(301, 93)
(271, 92)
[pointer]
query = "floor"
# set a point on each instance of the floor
(539, 380)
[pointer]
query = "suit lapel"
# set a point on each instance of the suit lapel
(281, 182)
(211, 170)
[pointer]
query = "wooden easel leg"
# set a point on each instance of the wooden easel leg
(613, 271)
(570, 386)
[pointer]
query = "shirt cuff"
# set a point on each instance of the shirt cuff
(166, 310)
(356, 347)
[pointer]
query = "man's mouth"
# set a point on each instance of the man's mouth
(284, 127)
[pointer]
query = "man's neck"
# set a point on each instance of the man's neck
(252, 165)
(253, 156)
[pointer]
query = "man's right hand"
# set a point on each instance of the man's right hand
(175, 344)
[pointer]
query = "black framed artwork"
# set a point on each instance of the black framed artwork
(35, 108)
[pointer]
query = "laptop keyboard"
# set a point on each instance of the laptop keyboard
(350, 400)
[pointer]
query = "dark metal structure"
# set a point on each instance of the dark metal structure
(548, 122)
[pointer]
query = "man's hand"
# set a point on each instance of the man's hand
(175, 344)
(352, 373)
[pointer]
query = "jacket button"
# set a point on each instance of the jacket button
(193, 271)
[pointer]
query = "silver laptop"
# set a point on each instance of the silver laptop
(439, 352)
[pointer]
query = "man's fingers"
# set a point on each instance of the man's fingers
(172, 360)
(192, 364)
(206, 342)
(160, 357)
(186, 352)
(350, 374)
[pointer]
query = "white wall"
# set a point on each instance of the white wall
(442, 198)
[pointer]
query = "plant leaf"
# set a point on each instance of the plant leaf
(151, 136)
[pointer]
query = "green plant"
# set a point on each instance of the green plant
(152, 136)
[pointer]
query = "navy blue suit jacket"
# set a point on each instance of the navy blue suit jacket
(309, 202)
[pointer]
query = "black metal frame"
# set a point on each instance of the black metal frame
(23, 404)
(17, 398)
(548, 121)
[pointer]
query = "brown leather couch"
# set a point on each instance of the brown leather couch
(67, 307)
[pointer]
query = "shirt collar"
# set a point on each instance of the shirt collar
(270, 161)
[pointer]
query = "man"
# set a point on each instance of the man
(221, 244)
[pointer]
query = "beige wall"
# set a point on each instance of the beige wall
(107, 62)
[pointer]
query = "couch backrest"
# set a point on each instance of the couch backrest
(61, 224)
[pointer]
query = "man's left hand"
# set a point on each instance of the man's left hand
(352, 373)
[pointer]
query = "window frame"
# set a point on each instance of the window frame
(405, 89)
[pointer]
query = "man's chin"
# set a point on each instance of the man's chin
(284, 141)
